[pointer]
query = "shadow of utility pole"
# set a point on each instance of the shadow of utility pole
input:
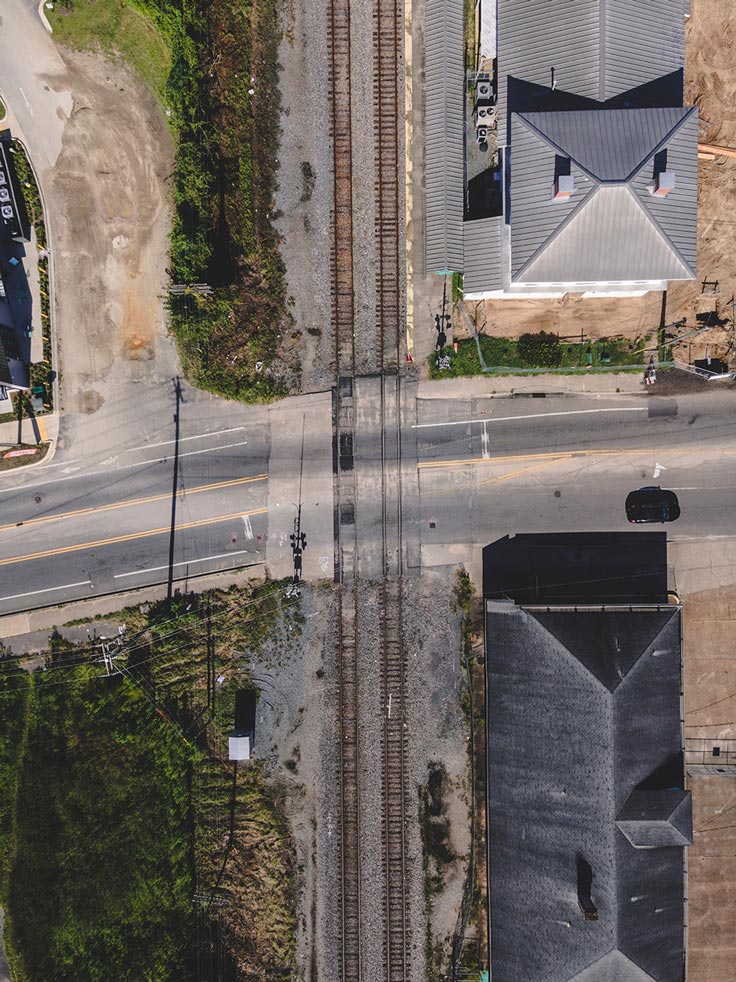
(31, 416)
(172, 533)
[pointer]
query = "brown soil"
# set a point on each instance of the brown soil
(710, 84)
(110, 199)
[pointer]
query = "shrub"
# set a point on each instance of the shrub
(540, 350)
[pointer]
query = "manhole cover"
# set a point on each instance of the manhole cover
(558, 494)
(38, 499)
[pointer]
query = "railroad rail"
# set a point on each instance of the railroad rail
(388, 129)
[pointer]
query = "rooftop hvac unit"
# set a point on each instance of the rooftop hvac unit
(3, 179)
(6, 211)
(4, 194)
(482, 91)
(481, 134)
(486, 116)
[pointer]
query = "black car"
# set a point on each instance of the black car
(652, 505)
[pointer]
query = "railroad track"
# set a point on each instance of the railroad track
(388, 120)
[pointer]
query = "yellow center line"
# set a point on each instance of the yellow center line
(130, 501)
(79, 547)
(559, 455)
(522, 470)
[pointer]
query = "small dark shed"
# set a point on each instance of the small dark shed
(243, 733)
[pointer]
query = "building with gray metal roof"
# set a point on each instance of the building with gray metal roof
(598, 157)
(444, 119)
(587, 812)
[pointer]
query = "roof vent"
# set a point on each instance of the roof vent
(564, 187)
(664, 182)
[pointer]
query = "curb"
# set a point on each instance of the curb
(44, 18)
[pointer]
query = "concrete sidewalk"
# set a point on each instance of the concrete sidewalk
(599, 384)
(31, 430)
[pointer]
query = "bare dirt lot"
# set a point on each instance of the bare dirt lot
(710, 84)
(706, 582)
(109, 201)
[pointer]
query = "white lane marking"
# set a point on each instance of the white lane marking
(199, 436)
(63, 463)
(484, 442)
(50, 589)
(658, 468)
(189, 453)
(190, 562)
(71, 470)
(248, 527)
(25, 99)
(511, 419)
(121, 467)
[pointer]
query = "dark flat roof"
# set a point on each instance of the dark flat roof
(245, 711)
(577, 568)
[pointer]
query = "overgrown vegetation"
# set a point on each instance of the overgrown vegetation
(130, 848)
(539, 351)
(437, 853)
(469, 948)
(215, 69)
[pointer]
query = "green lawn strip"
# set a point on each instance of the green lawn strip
(12, 462)
(502, 354)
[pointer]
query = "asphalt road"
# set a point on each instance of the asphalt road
(81, 528)
(567, 464)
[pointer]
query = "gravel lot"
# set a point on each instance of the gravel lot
(304, 197)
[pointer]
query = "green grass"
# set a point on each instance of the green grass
(119, 28)
(502, 353)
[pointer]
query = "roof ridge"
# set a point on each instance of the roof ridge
(661, 231)
(613, 954)
(665, 139)
(566, 221)
(556, 146)
(568, 652)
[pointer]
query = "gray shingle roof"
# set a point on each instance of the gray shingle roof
(444, 135)
(612, 228)
(482, 255)
(599, 49)
(655, 818)
(572, 733)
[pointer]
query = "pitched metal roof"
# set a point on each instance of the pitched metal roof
(611, 228)
(610, 145)
(482, 255)
(444, 135)
(599, 49)
(577, 721)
